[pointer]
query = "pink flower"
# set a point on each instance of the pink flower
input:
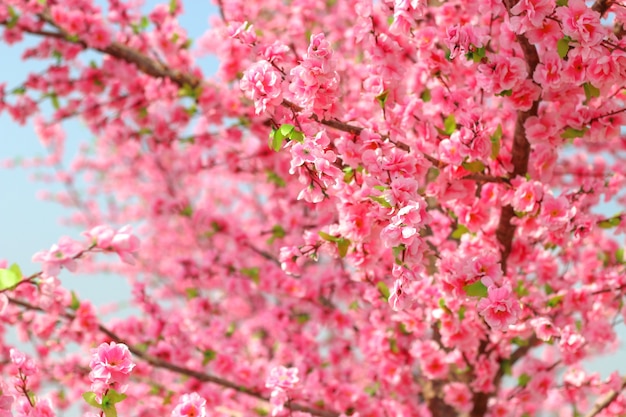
(459, 396)
(581, 23)
(319, 47)
(263, 84)
(549, 72)
(125, 244)
(281, 377)
(544, 329)
(278, 398)
(190, 405)
(527, 197)
(25, 364)
(528, 14)
(61, 254)
(111, 363)
(100, 236)
(399, 299)
(500, 309)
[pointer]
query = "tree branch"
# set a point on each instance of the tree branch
(602, 6)
(200, 376)
(520, 152)
(605, 401)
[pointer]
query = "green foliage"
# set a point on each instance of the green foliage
(496, 142)
(10, 277)
(284, 132)
(571, 133)
(75, 303)
(381, 200)
(590, 91)
(477, 289)
(208, 355)
(474, 166)
(383, 289)
(523, 380)
(562, 46)
(252, 273)
(610, 223)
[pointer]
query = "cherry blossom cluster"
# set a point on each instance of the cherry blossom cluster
(111, 365)
(415, 207)
(281, 381)
(64, 253)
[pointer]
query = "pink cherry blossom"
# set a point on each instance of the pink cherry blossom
(500, 309)
(283, 378)
(262, 84)
(190, 405)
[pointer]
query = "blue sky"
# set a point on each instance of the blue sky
(29, 224)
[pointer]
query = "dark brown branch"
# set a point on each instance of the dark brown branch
(605, 401)
(200, 376)
(520, 152)
(602, 6)
(143, 63)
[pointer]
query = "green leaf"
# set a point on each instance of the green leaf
(426, 96)
(327, 237)
(459, 231)
(562, 47)
(619, 255)
(555, 300)
(449, 125)
(297, 136)
(113, 397)
(505, 93)
(381, 201)
(393, 345)
(90, 398)
(521, 289)
(462, 313)
(518, 341)
(383, 289)
(276, 140)
(382, 98)
(348, 175)
(173, 6)
(507, 368)
(590, 91)
(9, 278)
(523, 380)
(561, 3)
(343, 245)
(372, 389)
(208, 355)
(110, 411)
(477, 289)
(55, 101)
(278, 232)
(13, 18)
(192, 293)
(275, 179)
(75, 303)
(495, 142)
(186, 211)
(286, 129)
(260, 411)
(571, 133)
(474, 166)
(604, 224)
(252, 273)
(302, 318)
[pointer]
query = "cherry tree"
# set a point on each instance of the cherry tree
(374, 208)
